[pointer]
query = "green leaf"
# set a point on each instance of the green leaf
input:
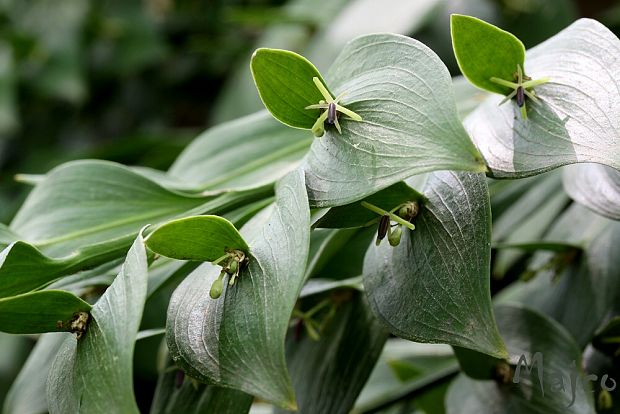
(527, 332)
(86, 213)
(245, 153)
(202, 238)
(83, 203)
(27, 393)
(94, 374)
(23, 268)
(238, 340)
(410, 125)
(284, 83)
(175, 396)
(484, 51)
(342, 358)
(575, 120)
(6, 236)
(316, 286)
(355, 215)
(404, 370)
(527, 219)
(39, 312)
(595, 186)
(434, 286)
(586, 281)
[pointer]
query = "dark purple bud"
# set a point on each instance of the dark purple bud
(384, 223)
(520, 96)
(331, 113)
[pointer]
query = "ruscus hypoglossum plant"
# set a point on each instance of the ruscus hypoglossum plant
(264, 240)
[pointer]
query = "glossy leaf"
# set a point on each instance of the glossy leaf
(342, 358)
(410, 125)
(39, 312)
(484, 51)
(246, 153)
(595, 186)
(434, 286)
(94, 374)
(176, 393)
(284, 83)
(238, 340)
(527, 332)
(577, 117)
(201, 238)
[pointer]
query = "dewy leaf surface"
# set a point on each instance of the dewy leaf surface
(238, 340)
(527, 332)
(94, 374)
(202, 238)
(595, 186)
(484, 51)
(434, 286)
(410, 125)
(578, 119)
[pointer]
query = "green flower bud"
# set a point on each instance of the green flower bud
(394, 236)
(233, 266)
(216, 288)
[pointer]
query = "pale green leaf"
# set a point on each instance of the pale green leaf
(577, 119)
(410, 125)
(248, 152)
(342, 358)
(94, 374)
(176, 393)
(527, 332)
(238, 340)
(434, 286)
(595, 186)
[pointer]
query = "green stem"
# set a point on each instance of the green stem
(504, 82)
(349, 113)
(219, 260)
(323, 90)
(393, 217)
(536, 82)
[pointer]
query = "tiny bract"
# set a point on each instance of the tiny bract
(521, 89)
(332, 108)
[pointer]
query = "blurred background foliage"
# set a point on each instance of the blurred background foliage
(134, 81)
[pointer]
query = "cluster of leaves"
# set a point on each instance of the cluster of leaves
(314, 301)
